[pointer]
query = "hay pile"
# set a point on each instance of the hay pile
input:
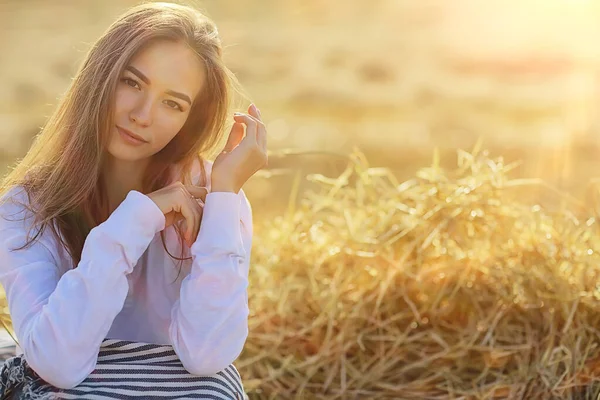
(447, 286)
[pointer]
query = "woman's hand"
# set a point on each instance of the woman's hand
(243, 155)
(178, 201)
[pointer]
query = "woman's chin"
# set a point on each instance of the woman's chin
(125, 153)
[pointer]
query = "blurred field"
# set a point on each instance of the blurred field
(447, 286)
(396, 78)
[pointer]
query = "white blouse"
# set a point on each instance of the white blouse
(127, 286)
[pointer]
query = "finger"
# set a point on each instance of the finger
(199, 192)
(171, 217)
(184, 227)
(254, 111)
(246, 118)
(188, 223)
(261, 137)
(251, 126)
(195, 225)
(197, 195)
(235, 136)
(188, 212)
(197, 211)
(198, 222)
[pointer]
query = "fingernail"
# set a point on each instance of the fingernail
(237, 113)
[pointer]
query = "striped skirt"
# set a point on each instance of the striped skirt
(125, 370)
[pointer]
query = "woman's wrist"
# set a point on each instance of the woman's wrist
(220, 186)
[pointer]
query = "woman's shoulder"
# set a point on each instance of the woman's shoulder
(18, 214)
(15, 203)
(18, 220)
(15, 193)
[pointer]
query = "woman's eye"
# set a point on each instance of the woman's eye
(174, 105)
(131, 82)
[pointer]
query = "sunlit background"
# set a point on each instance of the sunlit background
(400, 80)
(394, 77)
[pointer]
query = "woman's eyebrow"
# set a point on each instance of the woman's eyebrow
(145, 79)
(180, 96)
(139, 74)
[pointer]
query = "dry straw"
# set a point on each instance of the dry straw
(447, 286)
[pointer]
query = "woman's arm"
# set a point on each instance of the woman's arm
(209, 322)
(61, 321)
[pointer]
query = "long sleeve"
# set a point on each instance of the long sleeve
(209, 322)
(61, 321)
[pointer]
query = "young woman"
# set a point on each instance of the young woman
(112, 190)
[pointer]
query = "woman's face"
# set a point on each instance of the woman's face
(153, 99)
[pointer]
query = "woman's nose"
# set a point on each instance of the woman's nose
(142, 113)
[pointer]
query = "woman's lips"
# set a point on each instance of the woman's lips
(128, 137)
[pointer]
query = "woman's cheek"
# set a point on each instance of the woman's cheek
(162, 137)
(170, 125)
(123, 99)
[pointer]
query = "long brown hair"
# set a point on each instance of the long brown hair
(61, 172)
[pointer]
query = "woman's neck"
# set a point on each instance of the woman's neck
(120, 177)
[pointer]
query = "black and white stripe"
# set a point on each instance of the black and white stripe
(125, 370)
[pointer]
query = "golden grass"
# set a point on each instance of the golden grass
(445, 286)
